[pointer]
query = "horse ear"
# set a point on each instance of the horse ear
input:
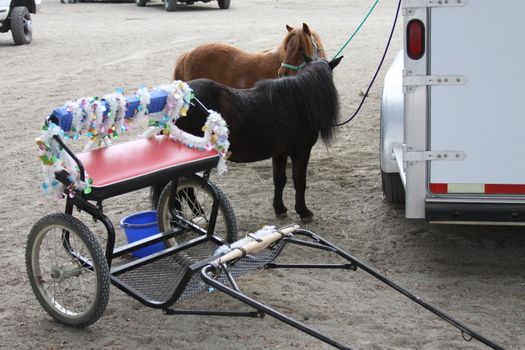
(333, 63)
(306, 29)
(288, 28)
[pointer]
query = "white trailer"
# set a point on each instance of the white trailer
(452, 118)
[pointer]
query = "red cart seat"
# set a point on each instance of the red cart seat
(129, 166)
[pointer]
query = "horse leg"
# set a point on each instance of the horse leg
(279, 181)
(299, 166)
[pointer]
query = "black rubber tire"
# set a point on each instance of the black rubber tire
(393, 187)
(224, 4)
(66, 272)
(226, 225)
(21, 25)
(154, 194)
(141, 3)
(170, 5)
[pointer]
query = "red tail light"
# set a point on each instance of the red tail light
(415, 39)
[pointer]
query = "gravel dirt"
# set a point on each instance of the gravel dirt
(473, 273)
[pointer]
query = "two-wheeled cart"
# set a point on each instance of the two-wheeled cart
(70, 271)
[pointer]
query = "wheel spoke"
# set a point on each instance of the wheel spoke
(193, 202)
(63, 301)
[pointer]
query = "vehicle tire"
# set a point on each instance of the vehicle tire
(141, 3)
(194, 202)
(393, 187)
(224, 4)
(170, 5)
(154, 194)
(21, 25)
(67, 270)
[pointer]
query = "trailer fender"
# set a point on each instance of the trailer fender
(392, 114)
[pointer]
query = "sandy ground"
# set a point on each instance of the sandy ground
(475, 274)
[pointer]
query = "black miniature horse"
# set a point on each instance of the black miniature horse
(276, 118)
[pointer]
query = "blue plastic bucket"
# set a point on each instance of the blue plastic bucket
(139, 226)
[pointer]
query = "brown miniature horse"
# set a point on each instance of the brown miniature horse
(240, 69)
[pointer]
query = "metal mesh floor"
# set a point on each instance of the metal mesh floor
(158, 280)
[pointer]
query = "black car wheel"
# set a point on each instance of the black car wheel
(224, 4)
(170, 5)
(21, 25)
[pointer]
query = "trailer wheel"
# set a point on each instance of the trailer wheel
(21, 25)
(224, 4)
(393, 187)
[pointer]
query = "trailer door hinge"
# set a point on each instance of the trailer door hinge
(423, 156)
(412, 81)
(406, 157)
(432, 3)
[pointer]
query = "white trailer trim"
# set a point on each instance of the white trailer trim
(415, 105)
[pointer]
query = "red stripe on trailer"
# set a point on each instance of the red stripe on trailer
(504, 189)
(439, 188)
(442, 188)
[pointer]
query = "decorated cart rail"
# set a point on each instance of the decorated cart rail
(195, 247)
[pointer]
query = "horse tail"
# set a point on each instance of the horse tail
(178, 73)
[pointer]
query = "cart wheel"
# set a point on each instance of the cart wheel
(141, 3)
(170, 5)
(67, 270)
(393, 187)
(194, 202)
(21, 25)
(224, 4)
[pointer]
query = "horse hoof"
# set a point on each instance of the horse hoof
(307, 219)
(281, 215)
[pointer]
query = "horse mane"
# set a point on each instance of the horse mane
(294, 53)
(311, 94)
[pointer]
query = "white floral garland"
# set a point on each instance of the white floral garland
(177, 105)
(55, 159)
(144, 99)
(88, 119)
